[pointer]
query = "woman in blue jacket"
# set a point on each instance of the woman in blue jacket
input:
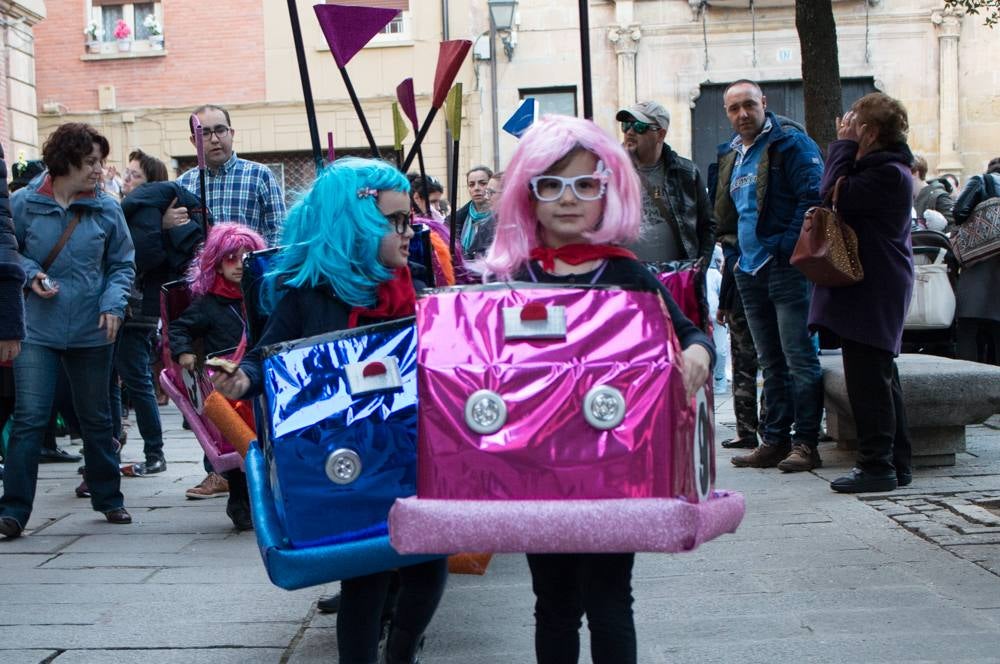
(74, 306)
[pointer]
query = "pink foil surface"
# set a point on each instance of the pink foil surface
(665, 525)
(547, 450)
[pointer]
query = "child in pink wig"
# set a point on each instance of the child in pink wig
(216, 318)
(571, 200)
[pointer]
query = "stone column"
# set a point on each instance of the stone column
(19, 128)
(949, 26)
(626, 43)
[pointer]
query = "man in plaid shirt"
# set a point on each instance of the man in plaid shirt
(238, 190)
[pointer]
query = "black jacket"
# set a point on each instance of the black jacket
(691, 210)
(977, 189)
(160, 256)
(300, 313)
(11, 272)
(216, 320)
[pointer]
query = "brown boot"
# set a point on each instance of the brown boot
(802, 457)
(765, 456)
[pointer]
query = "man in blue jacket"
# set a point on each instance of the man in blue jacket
(765, 179)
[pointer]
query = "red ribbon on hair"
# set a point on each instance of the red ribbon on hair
(575, 254)
(394, 299)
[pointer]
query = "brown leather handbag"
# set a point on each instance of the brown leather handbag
(827, 249)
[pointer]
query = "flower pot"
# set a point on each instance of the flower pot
(93, 47)
(124, 45)
(156, 42)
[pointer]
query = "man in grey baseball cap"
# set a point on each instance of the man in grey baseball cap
(677, 220)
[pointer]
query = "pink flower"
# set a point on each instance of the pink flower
(122, 31)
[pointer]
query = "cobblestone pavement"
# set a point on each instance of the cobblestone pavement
(811, 576)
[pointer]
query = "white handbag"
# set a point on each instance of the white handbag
(932, 306)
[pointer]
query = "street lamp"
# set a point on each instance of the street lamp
(502, 21)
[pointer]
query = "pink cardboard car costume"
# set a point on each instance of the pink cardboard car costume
(543, 407)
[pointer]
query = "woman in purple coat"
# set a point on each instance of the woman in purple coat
(872, 162)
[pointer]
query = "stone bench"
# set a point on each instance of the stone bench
(941, 397)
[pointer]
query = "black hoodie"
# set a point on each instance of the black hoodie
(160, 255)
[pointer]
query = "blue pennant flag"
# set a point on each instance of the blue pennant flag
(523, 118)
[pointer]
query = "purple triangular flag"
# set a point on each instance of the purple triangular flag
(348, 29)
(450, 57)
(408, 101)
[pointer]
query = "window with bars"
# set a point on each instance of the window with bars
(295, 171)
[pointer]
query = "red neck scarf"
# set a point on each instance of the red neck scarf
(225, 288)
(394, 299)
(575, 254)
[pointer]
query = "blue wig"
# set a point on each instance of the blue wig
(332, 234)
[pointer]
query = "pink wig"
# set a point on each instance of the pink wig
(546, 142)
(223, 240)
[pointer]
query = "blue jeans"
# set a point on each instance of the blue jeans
(36, 370)
(776, 302)
(132, 362)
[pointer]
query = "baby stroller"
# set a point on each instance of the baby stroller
(930, 326)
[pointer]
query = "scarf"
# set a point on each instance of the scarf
(575, 254)
(225, 288)
(472, 224)
(393, 299)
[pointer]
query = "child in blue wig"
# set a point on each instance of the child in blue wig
(344, 264)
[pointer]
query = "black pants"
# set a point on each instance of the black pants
(979, 340)
(569, 585)
(239, 492)
(877, 401)
(359, 620)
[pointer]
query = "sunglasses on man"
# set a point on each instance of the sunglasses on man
(638, 126)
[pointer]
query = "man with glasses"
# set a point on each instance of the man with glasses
(677, 219)
(239, 190)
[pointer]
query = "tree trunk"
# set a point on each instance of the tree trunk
(820, 68)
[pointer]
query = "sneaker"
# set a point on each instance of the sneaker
(802, 457)
(765, 456)
(213, 486)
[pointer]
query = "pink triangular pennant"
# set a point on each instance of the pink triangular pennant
(450, 57)
(348, 29)
(408, 101)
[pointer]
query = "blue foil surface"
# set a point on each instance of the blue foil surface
(311, 413)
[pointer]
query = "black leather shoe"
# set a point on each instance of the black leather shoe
(119, 516)
(9, 527)
(154, 466)
(328, 604)
(57, 455)
(239, 514)
(903, 478)
(858, 481)
(740, 443)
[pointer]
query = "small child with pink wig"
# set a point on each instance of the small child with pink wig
(216, 318)
(571, 200)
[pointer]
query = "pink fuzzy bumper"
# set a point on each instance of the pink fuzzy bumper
(666, 525)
